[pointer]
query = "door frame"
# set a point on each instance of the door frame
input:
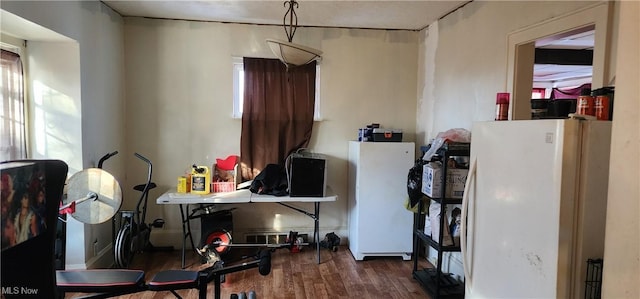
(521, 52)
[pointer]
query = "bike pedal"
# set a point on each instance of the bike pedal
(158, 223)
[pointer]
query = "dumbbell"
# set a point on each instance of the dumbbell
(243, 295)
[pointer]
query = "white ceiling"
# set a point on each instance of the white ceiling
(374, 14)
(578, 39)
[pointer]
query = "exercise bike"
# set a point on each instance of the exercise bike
(130, 231)
(133, 232)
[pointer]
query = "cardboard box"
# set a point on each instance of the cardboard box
(432, 181)
(434, 218)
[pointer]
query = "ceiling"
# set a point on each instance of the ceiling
(373, 14)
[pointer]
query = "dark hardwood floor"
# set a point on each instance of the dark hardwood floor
(297, 275)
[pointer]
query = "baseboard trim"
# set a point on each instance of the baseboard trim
(173, 237)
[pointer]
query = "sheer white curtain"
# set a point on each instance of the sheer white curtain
(12, 124)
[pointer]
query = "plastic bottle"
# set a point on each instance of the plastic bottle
(182, 184)
(200, 180)
(585, 103)
(502, 106)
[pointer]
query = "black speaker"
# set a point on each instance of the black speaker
(308, 175)
(216, 227)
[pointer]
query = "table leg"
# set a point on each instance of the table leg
(189, 217)
(316, 228)
(184, 234)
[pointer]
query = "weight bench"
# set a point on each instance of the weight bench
(107, 283)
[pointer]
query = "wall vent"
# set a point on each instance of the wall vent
(271, 238)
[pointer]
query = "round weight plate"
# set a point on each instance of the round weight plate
(94, 181)
(222, 237)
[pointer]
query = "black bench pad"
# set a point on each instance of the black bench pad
(99, 280)
(174, 280)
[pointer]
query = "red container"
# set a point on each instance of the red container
(585, 104)
(220, 187)
(502, 106)
(602, 107)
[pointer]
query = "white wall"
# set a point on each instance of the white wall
(179, 105)
(55, 120)
(622, 241)
(55, 105)
(463, 64)
(464, 61)
(88, 78)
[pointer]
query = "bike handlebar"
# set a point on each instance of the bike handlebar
(105, 157)
(141, 157)
(145, 192)
(149, 165)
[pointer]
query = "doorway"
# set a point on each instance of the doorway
(593, 20)
(564, 60)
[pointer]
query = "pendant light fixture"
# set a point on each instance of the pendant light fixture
(289, 53)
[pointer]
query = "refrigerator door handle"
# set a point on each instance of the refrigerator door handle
(463, 223)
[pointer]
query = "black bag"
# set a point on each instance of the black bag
(414, 182)
(271, 180)
(331, 241)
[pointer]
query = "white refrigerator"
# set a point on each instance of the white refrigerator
(534, 207)
(379, 223)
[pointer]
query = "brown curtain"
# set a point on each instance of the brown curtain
(13, 143)
(277, 115)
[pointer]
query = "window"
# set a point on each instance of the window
(238, 87)
(238, 90)
(538, 93)
(12, 124)
(278, 114)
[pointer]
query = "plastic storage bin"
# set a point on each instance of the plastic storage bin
(387, 135)
(218, 187)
